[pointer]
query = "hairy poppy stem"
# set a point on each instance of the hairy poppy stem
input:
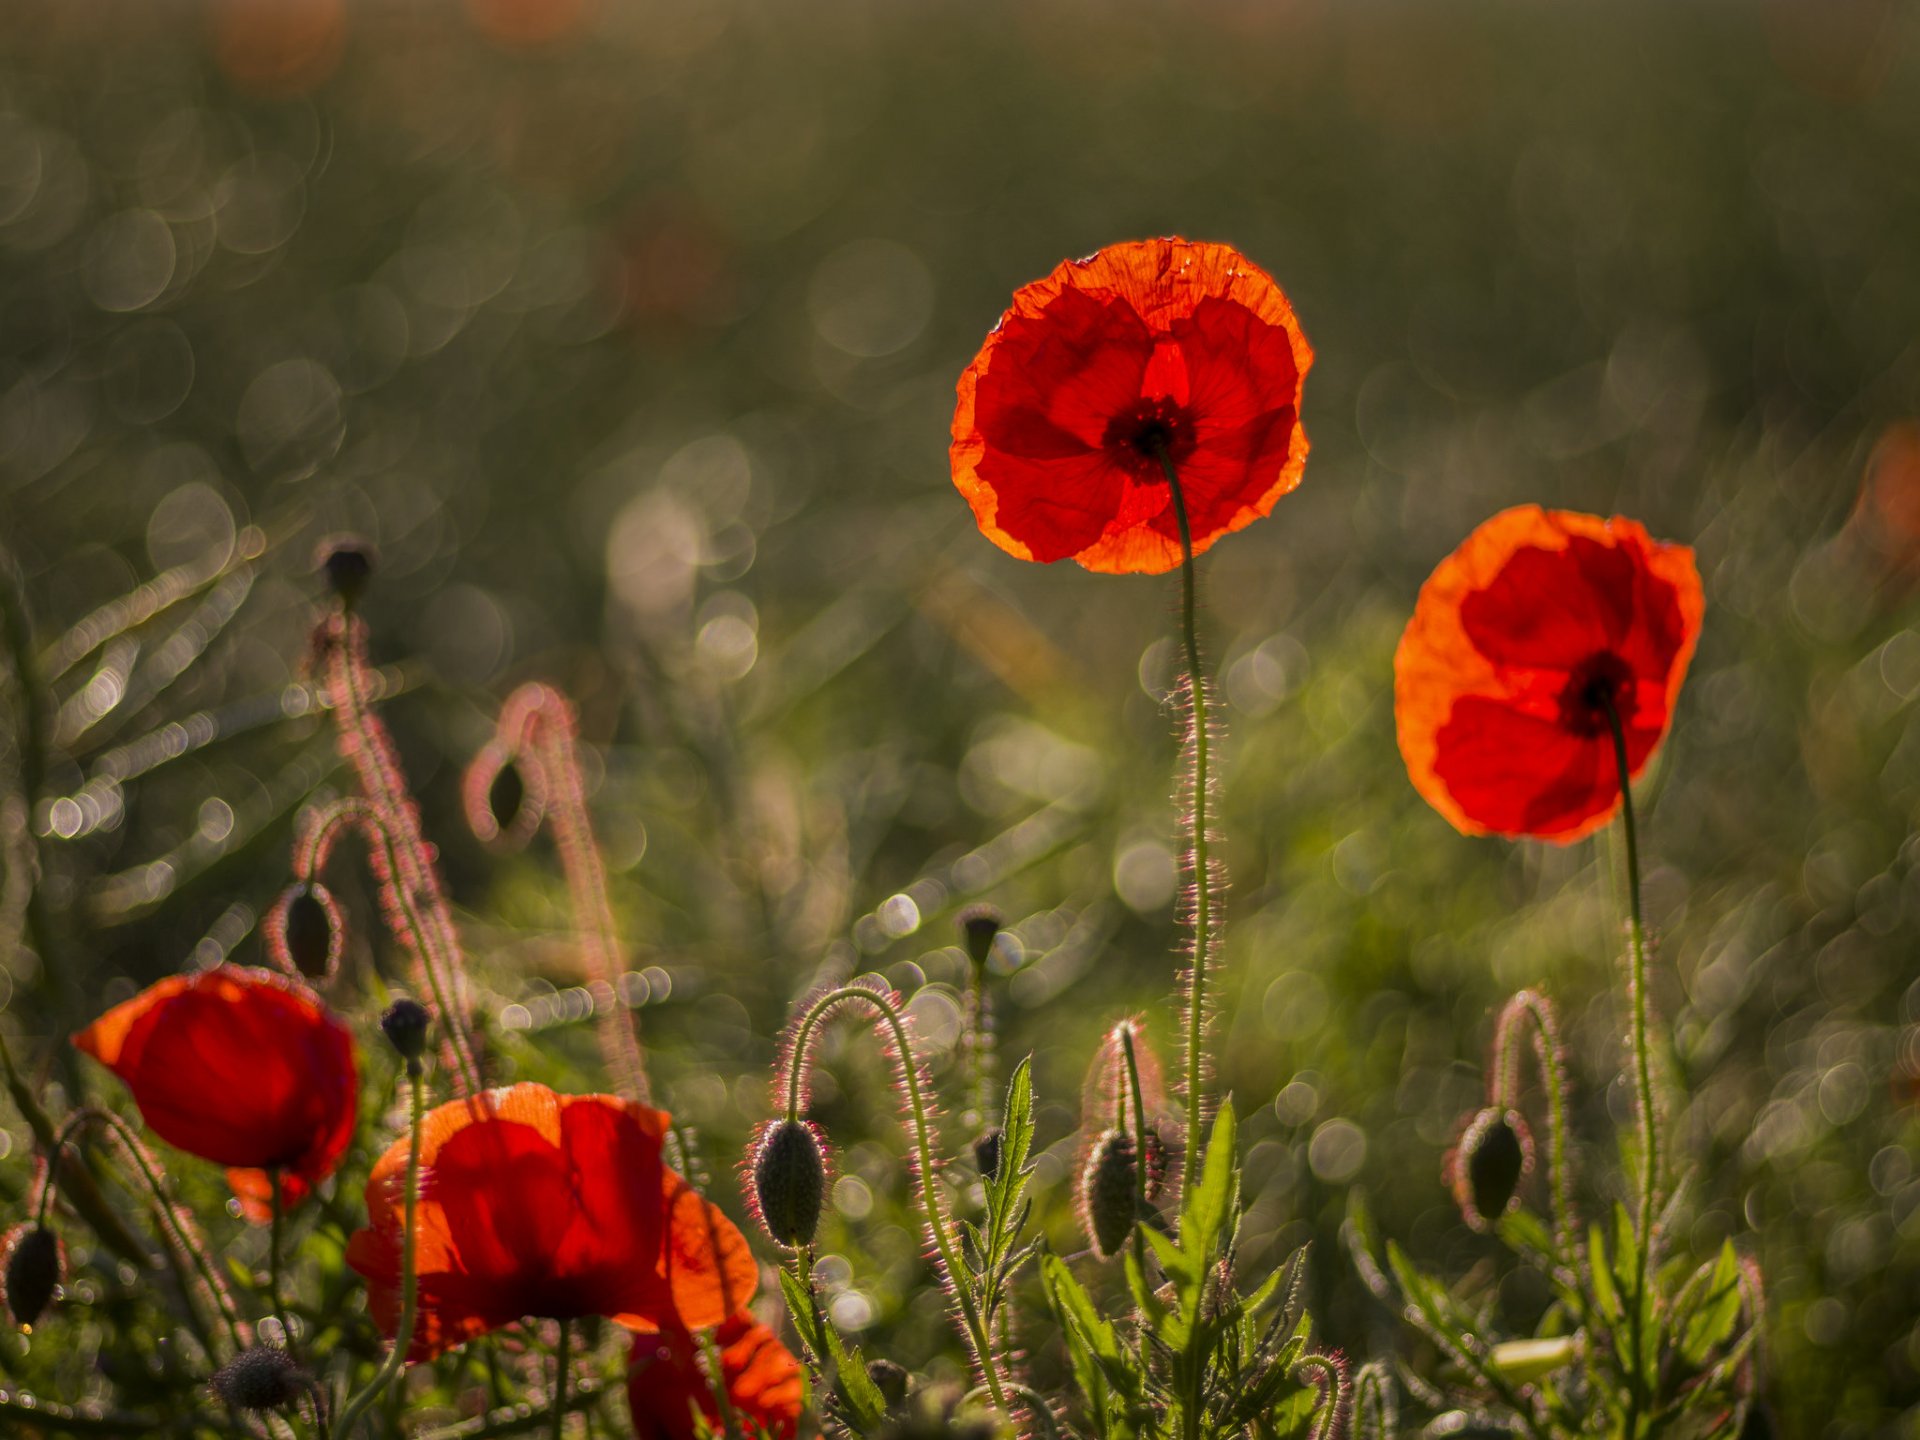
(1642, 1062)
(1195, 1060)
(978, 1045)
(1140, 1156)
(273, 1261)
(409, 1282)
(176, 1230)
(539, 731)
(1529, 1006)
(973, 1328)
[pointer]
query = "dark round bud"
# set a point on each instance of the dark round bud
(263, 1378)
(1108, 1194)
(506, 795)
(986, 1152)
(1494, 1153)
(889, 1379)
(309, 930)
(405, 1025)
(790, 1182)
(348, 564)
(980, 925)
(34, 1267)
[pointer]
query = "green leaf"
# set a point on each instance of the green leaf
(1205, 1212)
(865, 1406)
(1713, 1319)
(1604, 1293)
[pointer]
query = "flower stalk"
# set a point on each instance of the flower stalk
(1530, 1008)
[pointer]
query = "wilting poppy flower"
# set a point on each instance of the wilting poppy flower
(1518, 643)
(560, 1206)
(667, 1388)
(241, 1067)
(1148, 348)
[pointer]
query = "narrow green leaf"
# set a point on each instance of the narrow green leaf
(1713, 1319)
(1601, 1270)
(1205, 1212)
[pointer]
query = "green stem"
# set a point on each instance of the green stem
(1506, 1071)
(561, 1360)
(273, 1262)
(1642, 1065)
(1139, 1111)
(409, 1283)
(956, 1275)
(1194, 1060)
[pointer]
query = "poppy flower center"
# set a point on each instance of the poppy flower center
(1145, 431)
(1599, 680)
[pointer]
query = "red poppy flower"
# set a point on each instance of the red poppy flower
(241, 1067)
(667, 1388)
(1519, 640)
(1150, 347)
(533, 1203)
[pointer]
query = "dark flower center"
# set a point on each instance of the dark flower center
(1145, 431)
(1601, 680)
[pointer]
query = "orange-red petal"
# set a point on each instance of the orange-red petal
(241, 1067)
(1501, 626)
(667, 1388)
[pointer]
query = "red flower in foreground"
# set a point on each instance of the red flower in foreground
(1150, 347)
(1518, 642)
(560, 1206)
(667, 1388)
(241, 1067)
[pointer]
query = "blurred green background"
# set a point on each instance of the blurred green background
(628, 332)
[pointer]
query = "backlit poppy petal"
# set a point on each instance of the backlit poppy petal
(1518, 641)
(561, 1206)
(667, 1386)
(240, 1067)
(1146, 346)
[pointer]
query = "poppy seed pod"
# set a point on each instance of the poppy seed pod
(1109, 1198)
(980, 926)
(405, 1025)
(1494, 1154)
(790, 1182)
(306, 930)
(263, 1378)
(986, 1153)
(34, 1266)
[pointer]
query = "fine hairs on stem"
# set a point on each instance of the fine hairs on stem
(892, 1024)
(1531, 1010)
(538, 735)
(177, 1230)
(341, 644)
(400, 904)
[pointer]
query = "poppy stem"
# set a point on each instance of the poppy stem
(396, 1359)
(562, 1360)
(1139, 1115)
(978, 1046)
(273, 1260)
(1642, 1064)
(952, 1272)
(1195, 1059)
(1532, 1006)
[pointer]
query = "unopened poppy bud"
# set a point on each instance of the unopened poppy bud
(980, 926)
(1493, 1155)
(34, 1267)
(348, 564)
(405, 1025)
(263, 1378)
(889, 1379)
(1108, 1194)
(986, 1153)
(790, 1182)
(307, 930)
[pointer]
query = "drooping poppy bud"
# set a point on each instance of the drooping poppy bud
(1494, 1153)
(34, 1267)
(1109, 1197)
(890, 1380)
(980, 926)
(986, 1153)
(790, 1182)
(347, 562)
(305, 933)
(262, 1378)
(405, 1024)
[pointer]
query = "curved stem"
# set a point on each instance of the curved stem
(1532, 1006)
(1194, 1062)
(1642, 1064)
(954, 1274)
(409, 1283)
(1140, 1158)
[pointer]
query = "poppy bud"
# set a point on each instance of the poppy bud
(348, 563)
(1108, 1196)
(986, 1153)
(34, 1267)
(405, 1025)
(263, 1378)
(305, 930)
(980, 925)
(790, 1182)
(889, 1379)
(1493, 1155)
